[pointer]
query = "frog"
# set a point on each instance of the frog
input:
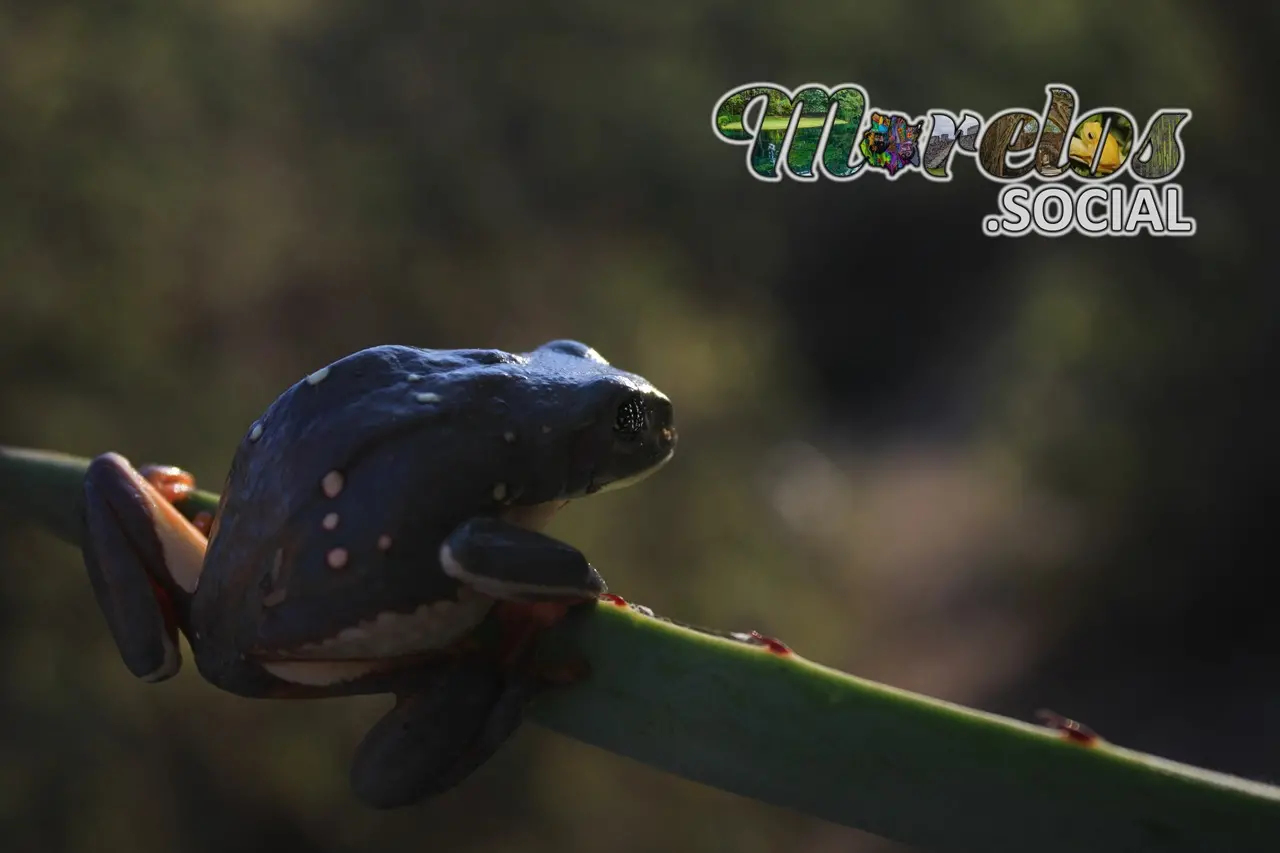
(375, 516)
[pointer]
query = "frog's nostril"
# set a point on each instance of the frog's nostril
(629, 422)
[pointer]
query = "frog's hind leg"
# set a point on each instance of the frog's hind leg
(443, 730)
(143, 558)
(436, 736)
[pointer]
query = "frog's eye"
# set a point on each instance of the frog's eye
(574, 348)
(630, 420)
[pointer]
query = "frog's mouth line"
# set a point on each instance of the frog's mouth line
(622, 483)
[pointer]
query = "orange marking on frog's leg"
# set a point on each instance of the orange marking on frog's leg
(182, 543)
(143, 559)
(203, 521)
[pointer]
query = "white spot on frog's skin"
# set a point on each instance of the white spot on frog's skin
(332, 484)
(384, 542)
(318, 377)
(330, 521)
(500, 492)
(256, 432)
(427, 397)
(337, 558)
(430, 626)
(509, 437)
(319, 673)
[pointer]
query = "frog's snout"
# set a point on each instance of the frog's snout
(640, 437)
(645, 421)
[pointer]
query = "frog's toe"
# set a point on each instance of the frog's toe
(139, 561)
(511, 563)
(434, 739)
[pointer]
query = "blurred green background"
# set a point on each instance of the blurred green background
(1009, 473)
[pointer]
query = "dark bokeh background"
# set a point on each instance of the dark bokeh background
(1009, 473)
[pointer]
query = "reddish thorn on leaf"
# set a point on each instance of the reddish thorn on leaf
(1072, 730)
(776, 646)
(617, 600)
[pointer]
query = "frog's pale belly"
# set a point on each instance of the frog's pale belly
(322, 673)
(374, 645)
(391, 634)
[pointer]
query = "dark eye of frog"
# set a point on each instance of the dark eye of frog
(630, 422)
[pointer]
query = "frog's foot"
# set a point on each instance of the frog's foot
(436, 736)
(176, 485)
(512, 563)
(143, 560)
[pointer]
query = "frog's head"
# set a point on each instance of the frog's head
(451, 433)
(595, 427)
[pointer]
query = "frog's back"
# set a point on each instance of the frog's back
(353, 474)
(326, 421)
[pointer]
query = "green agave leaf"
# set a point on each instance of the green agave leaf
(787, 731)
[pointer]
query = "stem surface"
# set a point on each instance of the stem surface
(781, 729)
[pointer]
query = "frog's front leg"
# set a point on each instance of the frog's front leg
(144, 560)
(534, 577)
(510, 562)
(439, 733)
